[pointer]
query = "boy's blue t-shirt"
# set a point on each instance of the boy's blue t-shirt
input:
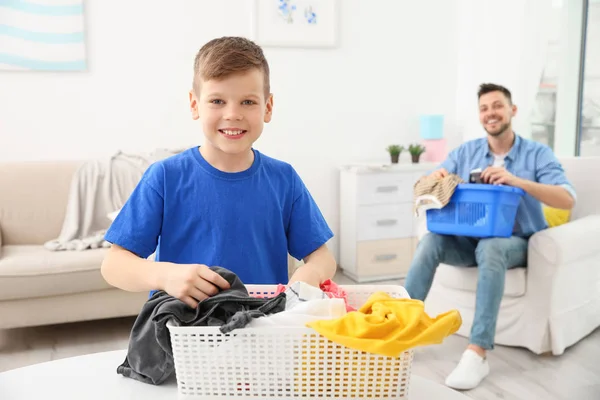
(191, 213)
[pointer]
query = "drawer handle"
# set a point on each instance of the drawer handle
(385, 257)
(387, 189)
(387, 222)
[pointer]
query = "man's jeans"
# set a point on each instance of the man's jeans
(492, 256)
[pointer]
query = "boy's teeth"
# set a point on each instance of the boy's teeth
(231, 133)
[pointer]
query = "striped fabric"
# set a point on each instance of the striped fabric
(43, 35)
(434, 193)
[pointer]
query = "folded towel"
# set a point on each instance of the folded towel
(434, 192)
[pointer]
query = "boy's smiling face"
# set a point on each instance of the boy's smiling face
(233, 111)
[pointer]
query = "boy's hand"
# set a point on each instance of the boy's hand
(318, 266)
(192, 283)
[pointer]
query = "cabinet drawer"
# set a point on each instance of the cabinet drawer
(384, 257)
(387, 188)
(390, 221)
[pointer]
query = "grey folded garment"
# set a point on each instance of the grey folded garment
(150, 357)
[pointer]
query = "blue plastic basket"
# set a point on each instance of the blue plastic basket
(477, 210)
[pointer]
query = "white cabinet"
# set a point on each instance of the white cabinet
(377, 225)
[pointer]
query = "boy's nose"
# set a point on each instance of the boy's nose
(233, 114)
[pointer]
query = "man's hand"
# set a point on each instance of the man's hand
(499, 176)
(192, 283)
(438, 174)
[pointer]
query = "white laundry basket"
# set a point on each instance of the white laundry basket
(285, 363)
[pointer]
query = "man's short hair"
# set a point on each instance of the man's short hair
(226, 56)
(485, 88)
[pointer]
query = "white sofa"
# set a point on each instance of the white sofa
(555, 301)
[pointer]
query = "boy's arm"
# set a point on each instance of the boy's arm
(134, 236)
(123, 269)
(319, 266)
(188, 282)
(307, 235)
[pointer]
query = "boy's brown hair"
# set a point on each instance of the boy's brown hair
(226, 56)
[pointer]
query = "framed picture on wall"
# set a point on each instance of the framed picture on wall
(295, 23)
(42, 35)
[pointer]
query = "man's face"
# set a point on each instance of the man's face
(496, 113)
(233, 111)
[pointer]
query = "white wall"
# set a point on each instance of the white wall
(396, 60)
(503, 42)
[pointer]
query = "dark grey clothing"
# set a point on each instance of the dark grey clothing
(150, 357)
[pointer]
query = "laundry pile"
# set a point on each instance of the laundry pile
(383, 325)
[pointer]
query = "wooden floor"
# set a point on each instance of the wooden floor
(516, 374)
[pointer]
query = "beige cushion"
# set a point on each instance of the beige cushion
(465, 278)
(33, 200)
(583, 172)
(32, 271)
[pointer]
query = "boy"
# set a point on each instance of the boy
(223, 203)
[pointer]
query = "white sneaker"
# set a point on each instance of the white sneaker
(469, 372)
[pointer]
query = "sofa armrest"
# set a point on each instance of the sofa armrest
(563, 277)
(567, 243)
(0, 241)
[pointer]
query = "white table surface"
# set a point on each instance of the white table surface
(94, 376)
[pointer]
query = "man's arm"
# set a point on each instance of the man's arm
(451, 162)
(448, 166)
(318, 266)
(551, 195)
(552, 187)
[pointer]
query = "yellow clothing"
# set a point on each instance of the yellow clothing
(388, 326)
(556, 217)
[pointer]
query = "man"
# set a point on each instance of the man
(508, 159)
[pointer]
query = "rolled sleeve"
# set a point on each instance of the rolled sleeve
(551, 172)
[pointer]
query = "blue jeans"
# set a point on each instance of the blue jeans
(491, 256)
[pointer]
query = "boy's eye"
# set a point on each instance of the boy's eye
(248, 102)
(217, 101)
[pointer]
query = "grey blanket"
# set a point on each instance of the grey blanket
(150, 357)
(100, 187)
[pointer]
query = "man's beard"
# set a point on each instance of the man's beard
(503, 128)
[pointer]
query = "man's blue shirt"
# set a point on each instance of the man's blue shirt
(528, 160)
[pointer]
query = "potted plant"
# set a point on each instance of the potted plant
(395, 151)
(415, 151)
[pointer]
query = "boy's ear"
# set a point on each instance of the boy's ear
(194, 105)
(269, 109)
